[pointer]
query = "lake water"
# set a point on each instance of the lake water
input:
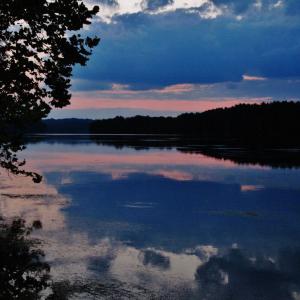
(154, 220)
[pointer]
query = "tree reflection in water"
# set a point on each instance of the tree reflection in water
(23, 272)
(10, 146)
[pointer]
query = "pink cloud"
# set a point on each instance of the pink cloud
(253, 78)
(176, 89)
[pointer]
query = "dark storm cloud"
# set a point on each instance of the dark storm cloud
(145, 50)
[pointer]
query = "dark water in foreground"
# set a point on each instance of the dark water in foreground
(145, 222)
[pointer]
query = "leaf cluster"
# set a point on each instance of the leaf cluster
(37, 54)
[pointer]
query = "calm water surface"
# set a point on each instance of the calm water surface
(122, 222)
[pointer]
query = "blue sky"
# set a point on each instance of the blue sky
(164, 57)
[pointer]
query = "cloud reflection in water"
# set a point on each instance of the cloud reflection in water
(160, 223)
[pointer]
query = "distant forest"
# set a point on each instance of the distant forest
(267, 123)
(52, 126)
(275, 123)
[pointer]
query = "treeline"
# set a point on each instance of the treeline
(52, 126)
(275, 123)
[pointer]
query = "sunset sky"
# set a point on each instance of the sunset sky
(165, 57)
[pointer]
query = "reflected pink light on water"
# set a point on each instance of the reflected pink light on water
(117, 174)
(20, 197)
(81, 160)
(175, 175)
(96, 161)
(251, 188)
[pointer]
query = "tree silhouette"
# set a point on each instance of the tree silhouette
(39, 46)
(259, 125)
(37, 55)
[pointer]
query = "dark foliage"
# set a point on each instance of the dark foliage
(39, 47)
(37, 55)
(274, 123)
(71, 125)
(23, 271)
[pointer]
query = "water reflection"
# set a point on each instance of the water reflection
(159, 223)
(237, 276)
(272, 157)
(23, 272)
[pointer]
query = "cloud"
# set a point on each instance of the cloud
(156, 4)
(117, 99)
(106, 2)
(111, 8)
(239, 6)
(253, 78)
(190, 51)
(223, 7)
(236, 276)
(149, 51)
(249, 87)
(155, 259)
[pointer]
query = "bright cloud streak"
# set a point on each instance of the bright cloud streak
(253, 78)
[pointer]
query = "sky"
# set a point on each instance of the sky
(166, 57)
